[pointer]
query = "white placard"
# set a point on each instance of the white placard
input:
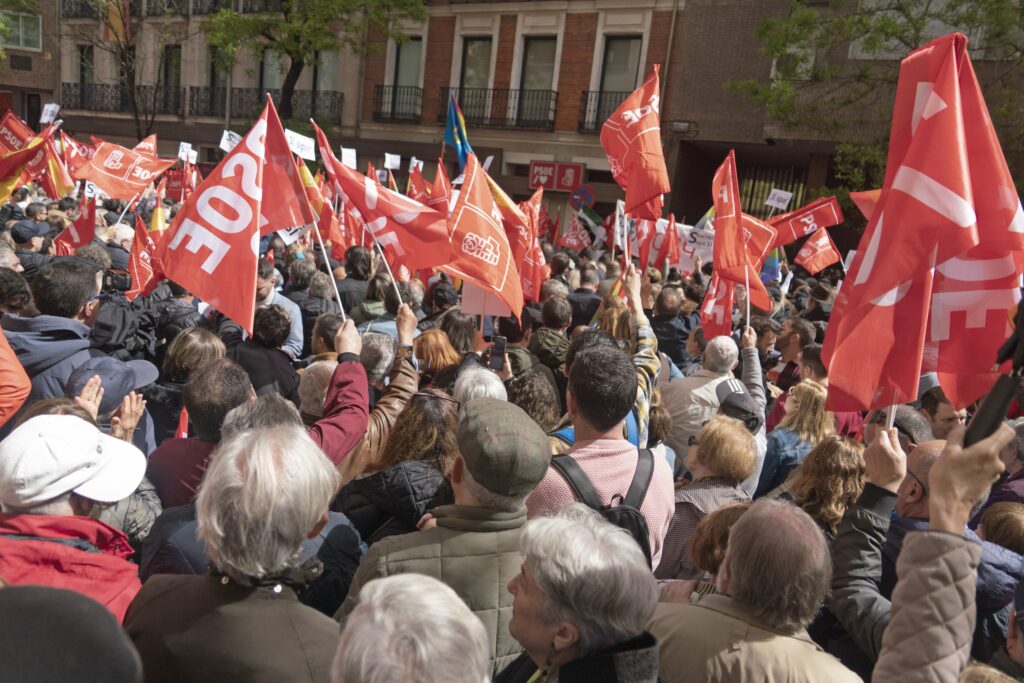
(49, 113)
(193, 156)
(91, 190)
(183, 149)
(291, 234)
(787, 283)
(348, 157)
(415, 163)
(778, 199)
(393, 161)
(478, 301)
(229, 139)
(487, 162)
(304, 146)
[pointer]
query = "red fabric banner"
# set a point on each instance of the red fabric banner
(142, 264)
(821, 213)
(121, 173)
(817, 253)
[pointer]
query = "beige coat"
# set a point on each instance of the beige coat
(716, 639)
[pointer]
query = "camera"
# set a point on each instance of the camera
(116, 281)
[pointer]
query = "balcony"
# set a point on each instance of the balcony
(526, 109)
(252, 6)
(211, 6)
(117, 98)
(397, 103)
(596, 107)
(86, 9)
(166, 8)
(247, 103)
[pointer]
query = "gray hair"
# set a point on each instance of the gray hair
(7, 255)
(721, 355)
(264, 490)
(377, 355)
(320, 286)
(1018, 440)
(313, 386)
(411, 627)
(553, 288)
(120, 232)
(778, 565)
(262, 412)
(488, 499)
(592, 573)
(477, 381)
(416, 293)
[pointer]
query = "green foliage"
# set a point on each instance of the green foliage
(836, 65)
(301, 28)
(29, 6)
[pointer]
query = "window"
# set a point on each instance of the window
(172, 66)
(621, 66)
(25, 30)
(218, 76)
(326, 72)
(85, 64)
(475, 78)
(126, 68)
(270, 71)
(405, 93)
(536, 100)
(33, 109)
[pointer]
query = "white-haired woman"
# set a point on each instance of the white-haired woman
(583, 598)
(265, 491)
(412, 628)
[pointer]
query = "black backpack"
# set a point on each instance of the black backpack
(624, 511)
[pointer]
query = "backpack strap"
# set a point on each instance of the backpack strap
(641, 479)
(577, 480)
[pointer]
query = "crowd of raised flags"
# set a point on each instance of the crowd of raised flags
(928, 289)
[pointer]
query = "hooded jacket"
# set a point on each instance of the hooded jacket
(73, 553)
(174, 316)
(551, 347)
(393, 500)
(49, 348)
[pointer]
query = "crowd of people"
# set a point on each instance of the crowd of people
(358, 492)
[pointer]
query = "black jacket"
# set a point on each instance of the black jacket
(269, 370)
(312, 308)
(164, 402)
(118, 256)
(635, 661)
(584, 305)
(672, 333)
(174, 316)
(392, 501)
(31, 261)
(352, 292)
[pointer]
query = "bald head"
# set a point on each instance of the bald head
(777, 564)
(912, 495)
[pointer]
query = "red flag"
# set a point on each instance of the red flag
(441, 194)
(210, 248)
(947, 198)
(418, 186)
(576, 237)
(76, 154)
(147, 146)
(546, 228)
(480, 250)
(82, 230)
(514, 220)
(631, 138)
(142, 264)
(122, 173)
(867, 202)
(821, 213)
(533, 268)
(14, 164)
(716, 311)
(14, 133)
(670, 250)
(182, 431)
(408, 232)
(645, 234)
(818, 252)
(741, 241)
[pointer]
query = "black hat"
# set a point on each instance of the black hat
(90, 645)
(735, 401)
(24, 230)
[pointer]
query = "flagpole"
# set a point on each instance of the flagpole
(127, 206)
(746, 291)
(394, 282)
(327, 260)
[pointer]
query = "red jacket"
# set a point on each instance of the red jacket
(14, 383)
(105, 576)
(346, 410)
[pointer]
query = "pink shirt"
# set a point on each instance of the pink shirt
(610, 464)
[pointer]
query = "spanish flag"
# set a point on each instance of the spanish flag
(12, 165)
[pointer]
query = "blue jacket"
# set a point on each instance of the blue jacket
(785, 451)
(672, 333)
(293, 344)
(173, 547)
(49, 348)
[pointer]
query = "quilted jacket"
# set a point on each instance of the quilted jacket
(393, 500)
(473, 550)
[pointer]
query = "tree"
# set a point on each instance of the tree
(835, 67)
(120, 24)
(299, 29)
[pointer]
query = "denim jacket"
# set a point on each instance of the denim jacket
(785, 451)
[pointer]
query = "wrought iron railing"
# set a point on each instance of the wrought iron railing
(397, 103)
(261, 5)
(532, 109)
(596, 106)
(162, 8)
(247, 103)
(211, 6)
(114, 97)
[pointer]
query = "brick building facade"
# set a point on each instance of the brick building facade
(30, 76)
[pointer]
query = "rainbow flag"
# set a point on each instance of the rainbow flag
(455, 132)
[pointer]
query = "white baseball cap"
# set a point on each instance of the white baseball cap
(51, 455)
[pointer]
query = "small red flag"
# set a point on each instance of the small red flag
(147, 146)
(142, 264)
(817, 253)
(441, 194)
(418, 186)
(821, 213)
(122, 173)
(81, 231)
(716, 311)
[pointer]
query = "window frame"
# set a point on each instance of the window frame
(608, 37)
(18, 31)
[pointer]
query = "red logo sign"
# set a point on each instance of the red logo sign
(550, 175)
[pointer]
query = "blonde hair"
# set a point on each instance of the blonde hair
(829, 479)
(727, 448)
(613, 317)
(809, 419)
(434, 352)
